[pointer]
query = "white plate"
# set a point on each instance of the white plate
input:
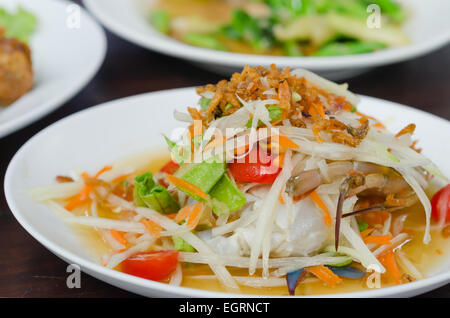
(64, 60)
(99, 135)
(429, 29)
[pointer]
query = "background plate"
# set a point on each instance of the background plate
(64, 60)
(428, 28)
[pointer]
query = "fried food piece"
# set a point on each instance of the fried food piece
(16, 71)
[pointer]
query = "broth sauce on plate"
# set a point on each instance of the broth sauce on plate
(426, 257)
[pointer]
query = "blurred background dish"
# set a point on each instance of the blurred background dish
(45, 56)
(282, 28)
(415, 29)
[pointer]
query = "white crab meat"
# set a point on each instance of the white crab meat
(298, 234)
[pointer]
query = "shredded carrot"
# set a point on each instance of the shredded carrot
(347, 107)
(83, 196)
(183, 213)
(79, 199)
(195, 216)
(118, 236)
(285, 142)
(438, 251)
(325, 274)
(409, 129)
(367, 232)
(379, 125)
(389, 262)
(408, 231)
(366, 116)
(319, 109)
(280, 198)
(326, 217)
(378, 239)
(186, 186)
(191, 213)
(103, 170)
(172, 216)
(154, 228)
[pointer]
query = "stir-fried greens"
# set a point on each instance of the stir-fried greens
(16, 70)
(278, 173)
(283, 27)
(19, 25)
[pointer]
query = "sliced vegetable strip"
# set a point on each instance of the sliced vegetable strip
(389, 262)
(195, 216)
(378, 239)
(325, 274)
(83, 196)
(103, 170)
(79, 199)
(154, 228)
(317, 200)
(186, 186)
(285, 142)
(118, 236)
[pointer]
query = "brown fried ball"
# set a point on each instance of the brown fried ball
(16, 71)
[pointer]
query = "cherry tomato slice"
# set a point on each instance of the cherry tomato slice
(170, 167)
(157, 265)
(262, 170)
(440, 204)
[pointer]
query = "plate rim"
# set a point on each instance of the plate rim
(90, 266)
(52, 104)
(168, 46)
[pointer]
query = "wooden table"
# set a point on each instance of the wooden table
(27, 269)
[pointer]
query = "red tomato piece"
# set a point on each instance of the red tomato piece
(170, 167)
(157, 265)
(257, 167)
(440, 204)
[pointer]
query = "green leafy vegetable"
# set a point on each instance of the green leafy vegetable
(256, 32)
(204, 103)
(147, 193)
(204, 40)
(275, 112)
(292, 48)
(19, 25)
(182, 245)
(227, 106)
(204, 175)
(226, 191)
(362, 226)
(347, 262)
(348, 48)
(160, 19)
(179, 153)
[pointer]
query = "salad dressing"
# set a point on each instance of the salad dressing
(354, 171)
(426, 258)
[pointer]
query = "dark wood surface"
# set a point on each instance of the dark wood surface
(27, 269)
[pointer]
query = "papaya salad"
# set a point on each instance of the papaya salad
(277, 183)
